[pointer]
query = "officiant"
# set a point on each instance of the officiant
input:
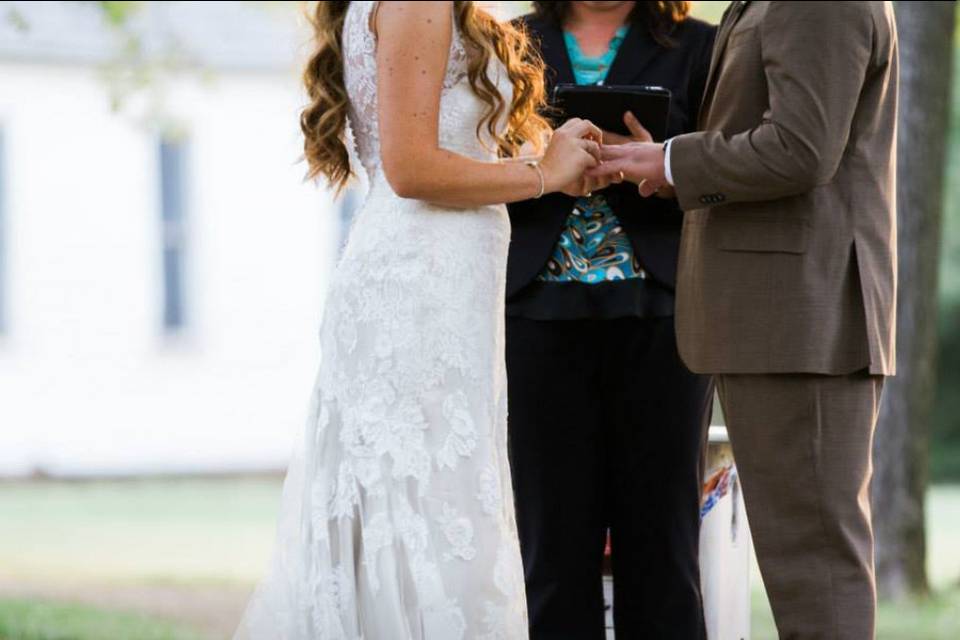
(606, 424)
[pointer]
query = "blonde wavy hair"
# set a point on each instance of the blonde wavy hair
(324, 120)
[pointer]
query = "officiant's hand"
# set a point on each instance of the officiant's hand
(637, 132)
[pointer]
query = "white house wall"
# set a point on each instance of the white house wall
(89, 383)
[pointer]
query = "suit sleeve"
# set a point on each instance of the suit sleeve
(815, 56)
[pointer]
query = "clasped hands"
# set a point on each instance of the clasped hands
(636, 158)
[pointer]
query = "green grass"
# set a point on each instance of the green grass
(123, 545)
(216, 535)
(934, 618)
(28, 620)
(196, 531)
(937, 618)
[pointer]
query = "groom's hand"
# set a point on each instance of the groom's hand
(640, 162)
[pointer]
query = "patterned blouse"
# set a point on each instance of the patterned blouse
(593, 246)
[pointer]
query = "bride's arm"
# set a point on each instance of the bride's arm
(413, 44)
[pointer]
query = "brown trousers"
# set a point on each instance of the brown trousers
(803, 449)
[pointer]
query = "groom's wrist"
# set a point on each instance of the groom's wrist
(666, 162)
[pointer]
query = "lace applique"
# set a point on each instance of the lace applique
(347, 494)
(488, 492)
(497, 622)
(377, 534)
(459, 533)
(462, 438)
(506, 619)
(445, 620)
(411, 528)
(334, 597)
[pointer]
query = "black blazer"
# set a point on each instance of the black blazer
(654, 224)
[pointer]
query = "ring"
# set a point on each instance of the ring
(640, 186)
(588, 194)
(622, 177)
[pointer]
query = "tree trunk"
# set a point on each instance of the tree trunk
(901, 447)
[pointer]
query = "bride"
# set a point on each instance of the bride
(397, 518)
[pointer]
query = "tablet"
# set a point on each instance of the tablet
(604, 105)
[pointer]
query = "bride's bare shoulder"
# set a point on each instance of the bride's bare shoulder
(411, 18)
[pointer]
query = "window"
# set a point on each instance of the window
(173, 232)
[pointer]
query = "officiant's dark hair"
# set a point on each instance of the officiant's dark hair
(659, 18)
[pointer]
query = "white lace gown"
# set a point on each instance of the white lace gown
(397, 520)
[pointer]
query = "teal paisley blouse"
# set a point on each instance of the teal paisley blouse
(593, 247)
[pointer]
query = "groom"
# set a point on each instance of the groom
(787, 283)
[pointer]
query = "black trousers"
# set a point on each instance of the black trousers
(606, 430)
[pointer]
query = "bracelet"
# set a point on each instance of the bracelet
(536, 166)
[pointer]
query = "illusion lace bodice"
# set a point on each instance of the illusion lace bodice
(460, 110)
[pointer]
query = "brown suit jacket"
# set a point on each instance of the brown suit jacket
(788, 257)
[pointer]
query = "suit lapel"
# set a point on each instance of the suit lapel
(730, 17)
(636, 51)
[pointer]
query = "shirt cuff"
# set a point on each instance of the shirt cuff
(666, 161)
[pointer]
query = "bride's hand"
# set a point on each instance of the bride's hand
(586, 185)
(574, 147)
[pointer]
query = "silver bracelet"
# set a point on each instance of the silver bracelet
(539, 170)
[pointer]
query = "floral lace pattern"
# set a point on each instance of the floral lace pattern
(397, 517)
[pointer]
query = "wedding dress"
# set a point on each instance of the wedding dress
(397, 518)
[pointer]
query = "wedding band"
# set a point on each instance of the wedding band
(640, 186)
(622, 177)
(588, 194)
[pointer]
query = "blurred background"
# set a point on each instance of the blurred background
(162, 274)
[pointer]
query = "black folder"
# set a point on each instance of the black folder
(604, 106)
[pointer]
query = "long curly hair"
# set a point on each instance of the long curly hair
(659, 18)
(324, 119)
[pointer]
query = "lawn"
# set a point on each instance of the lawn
(199, 531)
(185, 550)
(31, 620)
(175, 559)
(936, 618)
